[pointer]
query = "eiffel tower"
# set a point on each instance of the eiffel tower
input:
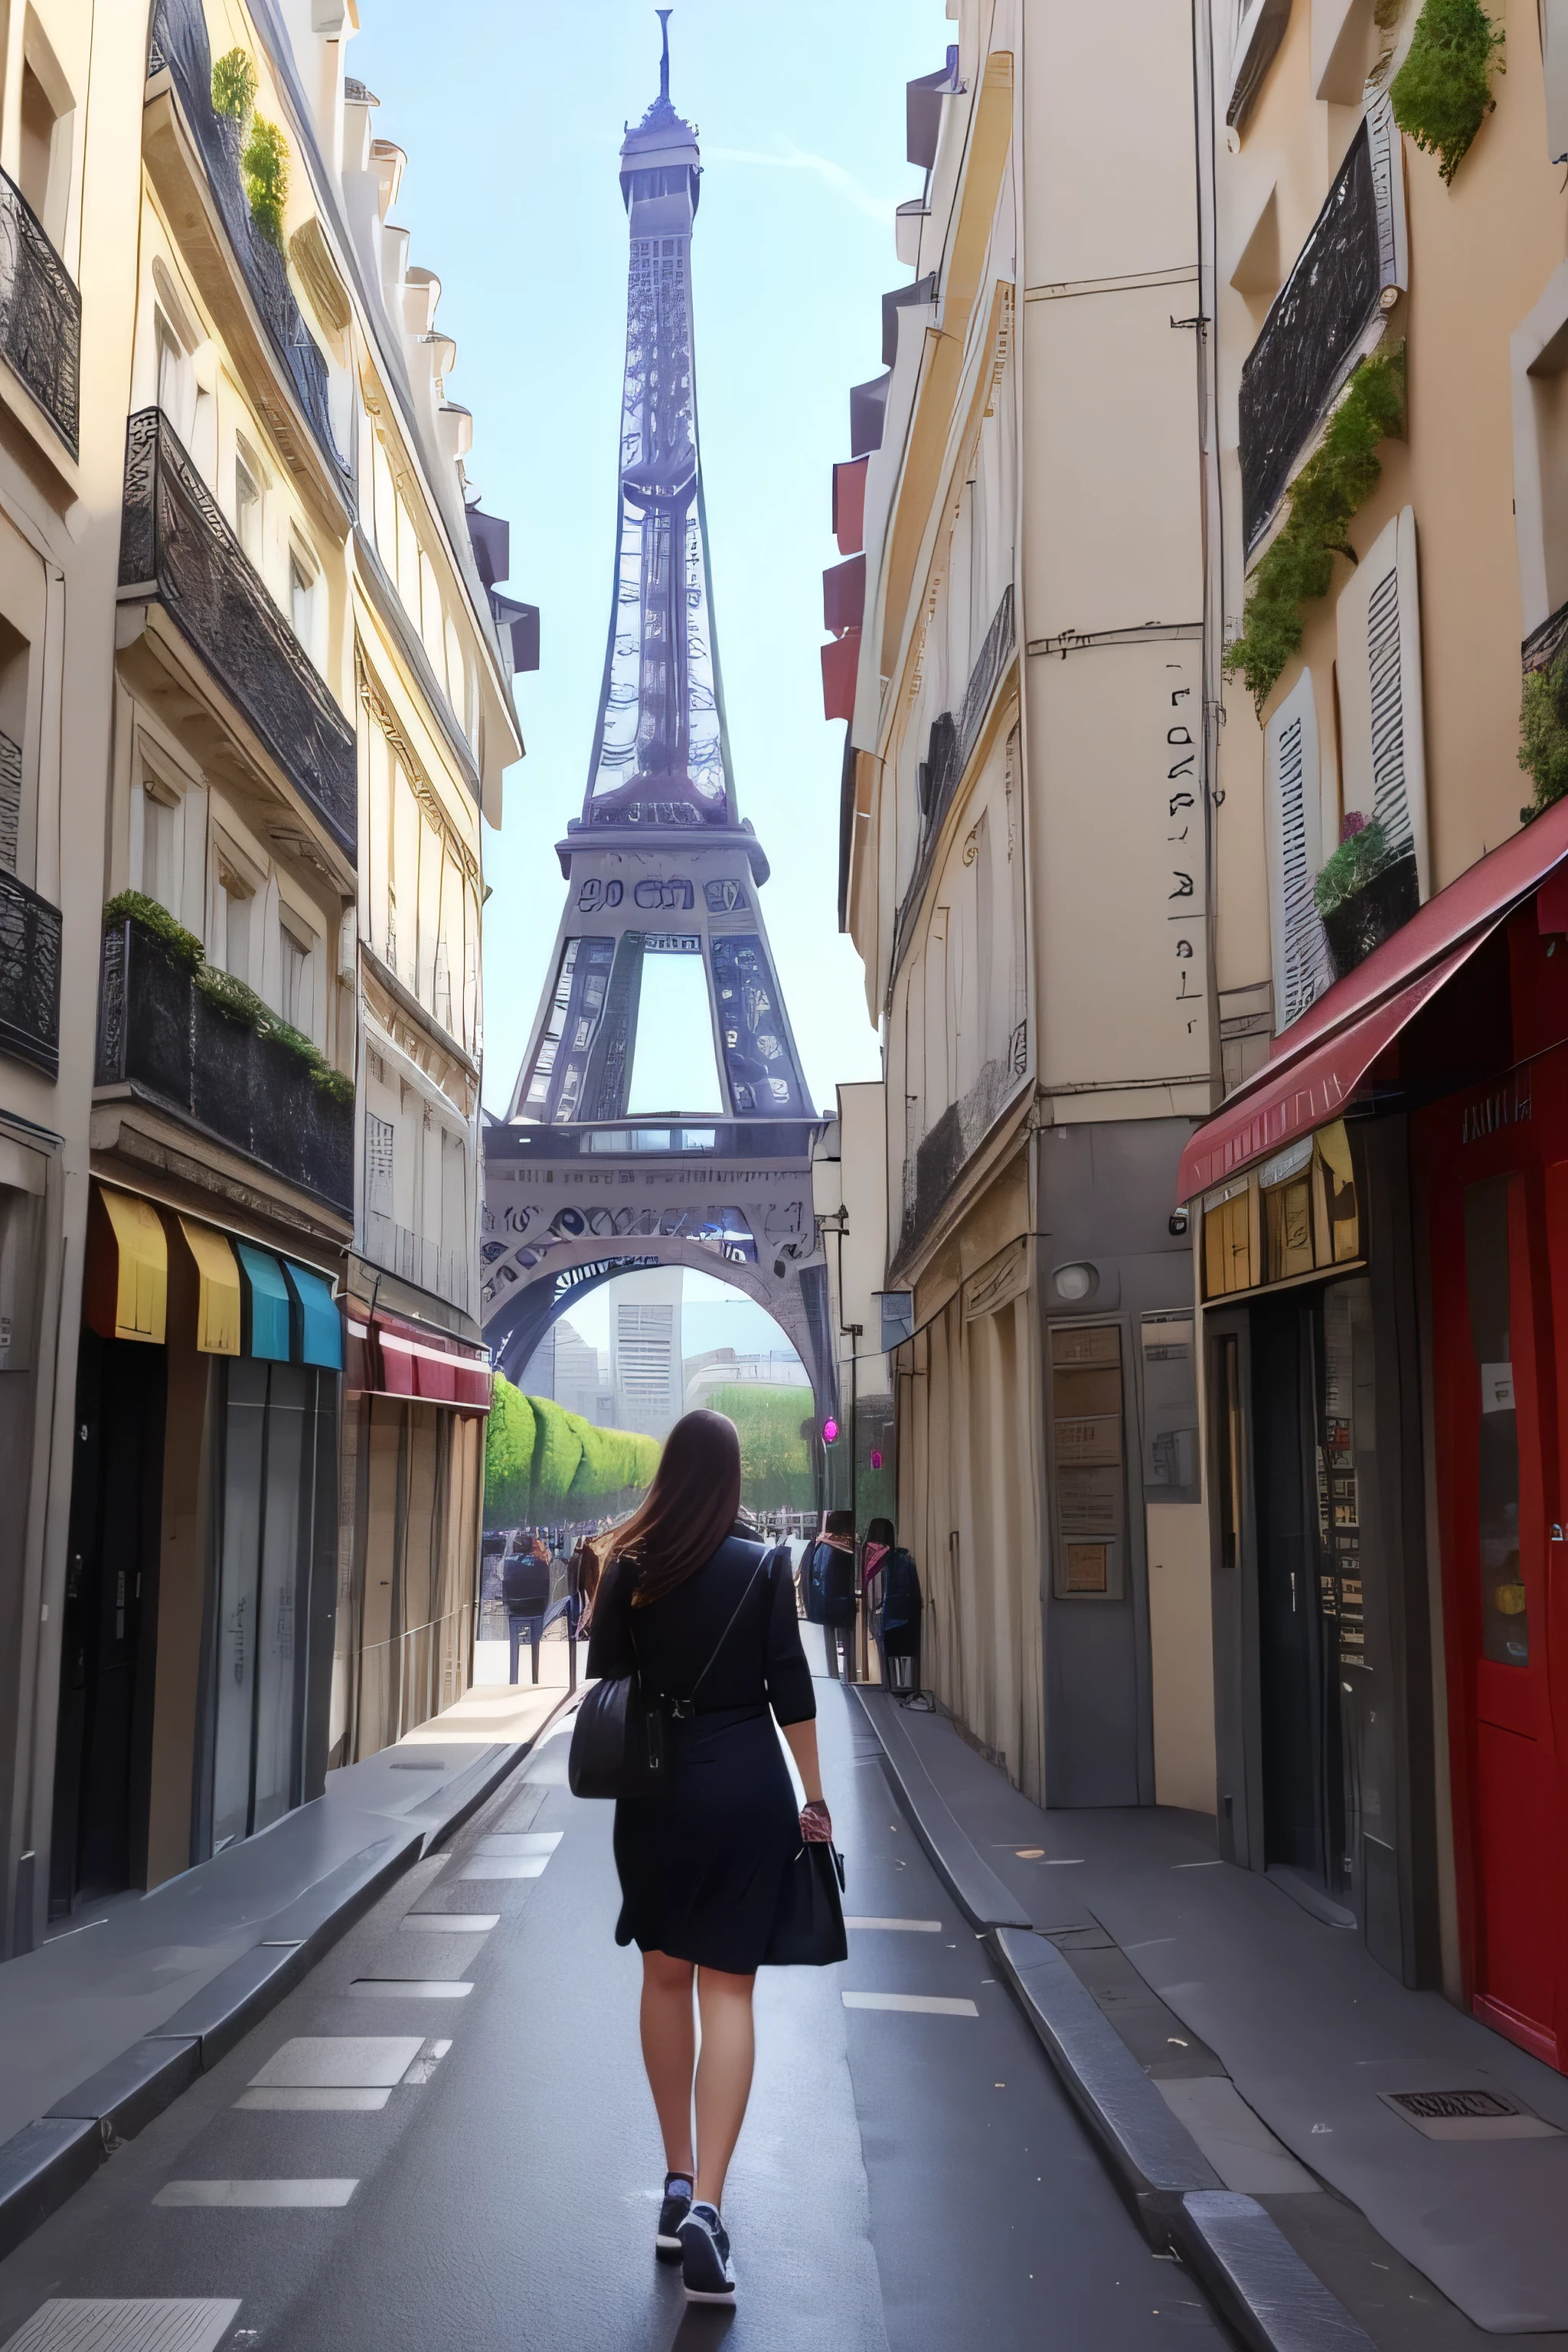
(578, 1186)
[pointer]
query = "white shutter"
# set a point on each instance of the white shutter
(1382, 742)
(1554, 57)
(1291, 796)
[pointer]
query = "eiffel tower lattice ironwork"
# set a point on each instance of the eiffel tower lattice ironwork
(578, 1185)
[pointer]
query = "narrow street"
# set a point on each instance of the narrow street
(445, 2138)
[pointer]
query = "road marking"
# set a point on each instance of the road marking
(423, 2068)
(256, 2193)
(413, 1987)
(1217, 1865)
(916, 1927)
(923, 2004)
(151, 2324)
(340, 2061)
(517, 1865)
(307, 2101)
(520, 1841)
(451, 1923)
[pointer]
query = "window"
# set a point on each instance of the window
(44, 159)
(248, 502)
(301, 599)
(378, 1139)
(176, 377)
(231, 925)
(161, 842)
(13, 652)
(296, 976)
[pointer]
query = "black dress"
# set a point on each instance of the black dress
(701, 1867)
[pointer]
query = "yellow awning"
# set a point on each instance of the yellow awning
(128, 1288)
(218, 1303)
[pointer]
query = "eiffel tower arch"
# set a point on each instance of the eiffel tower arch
(579, 1186)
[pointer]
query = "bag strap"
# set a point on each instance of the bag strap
(728, 1630)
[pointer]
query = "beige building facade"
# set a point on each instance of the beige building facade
(1377, 1207)
(252, 1551)
(1019, 649)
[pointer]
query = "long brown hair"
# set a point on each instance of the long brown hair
(689, 1509)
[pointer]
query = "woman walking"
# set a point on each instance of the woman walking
(694, 1612)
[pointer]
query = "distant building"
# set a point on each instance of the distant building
(721, 1368)
(578, 1386)
(646, 1366)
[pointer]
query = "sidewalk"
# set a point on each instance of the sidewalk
(116, 2013)
(1277, 2041)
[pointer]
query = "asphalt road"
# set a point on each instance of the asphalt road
(383, 2164)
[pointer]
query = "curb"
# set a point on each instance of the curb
(47, 2161)
(1251, 2272)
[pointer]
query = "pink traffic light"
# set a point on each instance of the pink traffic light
(829, 1432)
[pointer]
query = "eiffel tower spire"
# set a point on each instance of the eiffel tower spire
(660, 863)
(660, 755)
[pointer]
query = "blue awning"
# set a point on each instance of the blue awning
(265, 1303)
(320, 1326)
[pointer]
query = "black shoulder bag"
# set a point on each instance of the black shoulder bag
(619, 1739)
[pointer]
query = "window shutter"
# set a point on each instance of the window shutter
(1554, 57)
(1292, 789)
(1382, 737)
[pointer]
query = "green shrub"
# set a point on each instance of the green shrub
(509, 1458)
(234, 86)
(557, 1451)
(1543, 735)
(1336, 480)
(1443, 91)
(183, 945)
(239, 1002)
(1362, 855)
(265, 163)
(775, 1457)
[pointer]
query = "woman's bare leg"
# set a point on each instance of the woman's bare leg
(723, 2074)
(669, 2051)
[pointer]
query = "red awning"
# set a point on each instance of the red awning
(399, 1359)
(1315, 1068)
(840, 666)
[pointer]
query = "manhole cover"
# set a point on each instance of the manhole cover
(1467, 2114)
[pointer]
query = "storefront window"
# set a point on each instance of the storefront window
(1505, 1622)
(1227, 1240)
(1287, 1186)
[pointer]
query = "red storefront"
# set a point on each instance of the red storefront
(1446, 1056)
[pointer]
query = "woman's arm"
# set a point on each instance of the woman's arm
(802, 1738)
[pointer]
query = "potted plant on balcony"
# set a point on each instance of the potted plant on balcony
(1365, 891)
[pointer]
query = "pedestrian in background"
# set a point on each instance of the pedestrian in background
(708, 1620)
(830, 1590)
(525, 1589)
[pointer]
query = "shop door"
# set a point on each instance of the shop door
(104, 1742)
(1505, 1469)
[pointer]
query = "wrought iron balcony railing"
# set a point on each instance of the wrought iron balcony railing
(159, 1033)
(40, 313)
(176, 544)
(29, 976)
(1324, 318)
(180, 43)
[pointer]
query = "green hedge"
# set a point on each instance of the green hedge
(775, 1458)
(542, 1463)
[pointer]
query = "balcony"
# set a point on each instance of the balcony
(171, 1045)
(40, 313)
(1326, 316)
(176, 546)
(210, 145)
(29, 976)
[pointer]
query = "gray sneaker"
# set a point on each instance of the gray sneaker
(707, 2272)
(677, 2205)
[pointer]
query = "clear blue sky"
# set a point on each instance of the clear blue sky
(511, 114)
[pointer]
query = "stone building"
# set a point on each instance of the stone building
(1377, 1208)
(261, 1246)
(1017, 647)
